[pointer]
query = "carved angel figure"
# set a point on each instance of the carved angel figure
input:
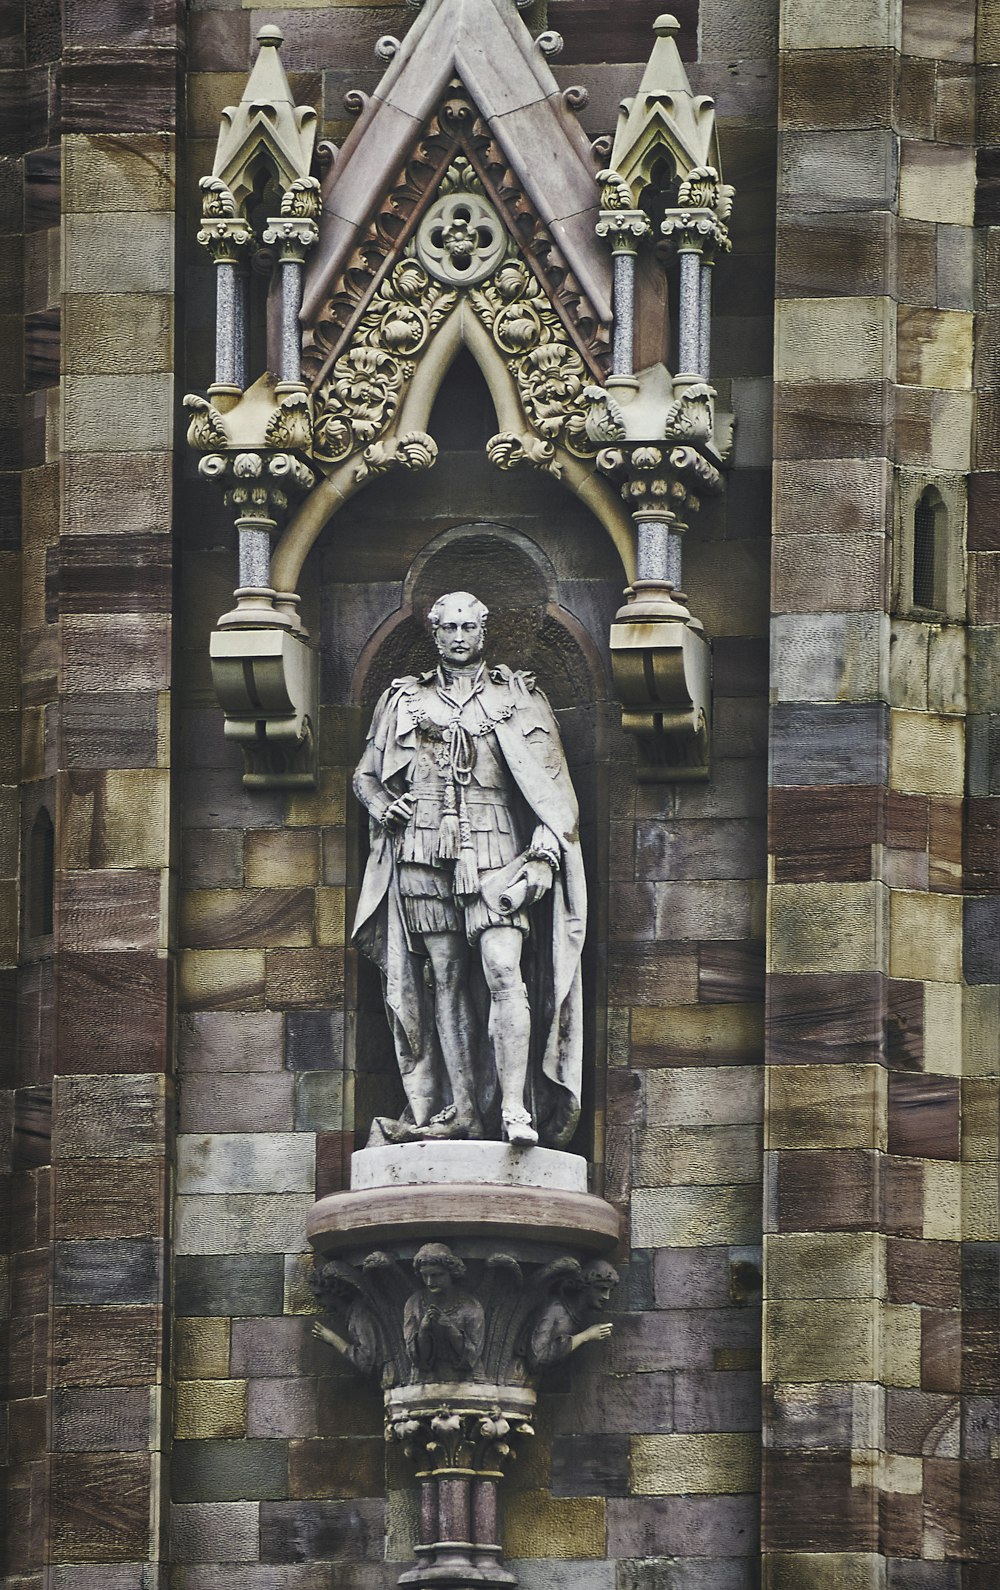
(562, 1325)
(444, 1327)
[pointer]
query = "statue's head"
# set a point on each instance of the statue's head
(458, 624)
(437, 1267)
(600, 1278)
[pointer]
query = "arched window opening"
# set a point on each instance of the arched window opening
(928, 537)
(41, 874)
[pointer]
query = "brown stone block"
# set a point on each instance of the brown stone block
(833, 419)
(824, 833)
(245, 918)
(901, 1523)
(115, 573)
(336, 1469)
(830, 88)
(955, 107)
(984, 588)
(811, 1504)
(105, 1117)
(109, 910)
(109, 1198)
(99, 1507)
(131, 90)
(109, 729)
(113, 1012)
(730, 973)
(122, 652)
(282, 858)
(943, 1504)
(618, 30)
(906, 818)
(304, 977)
(980, 1510)
(933, 428)
(212, 858)
(903, 1197)
(924, 1116)
(984, 512)
(333, 1162)
(807, 575)
(904, 1035)
(915, 96)
(827, 1190)
(29, 1281)
(642, 974)
(106, 1346)
(26, 1429)
(941, 1350)
(980, 1352)
(922, 1272)
(823, 1018)
(982, 843)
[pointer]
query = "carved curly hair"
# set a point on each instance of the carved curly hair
(438, 1256)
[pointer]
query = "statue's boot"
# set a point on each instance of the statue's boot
(449, 1124)
(510, 1034)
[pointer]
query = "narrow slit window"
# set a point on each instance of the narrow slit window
(41, 874)
(928, 549)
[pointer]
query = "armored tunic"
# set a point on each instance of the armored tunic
(487, 796)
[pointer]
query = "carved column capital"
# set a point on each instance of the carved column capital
(227, 238)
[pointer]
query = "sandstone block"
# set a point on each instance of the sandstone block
(836, 339)
(827, 927)
(836, 1264)
(536, 1524)
(868, 24)
(804, 1343)
(705, 1096)
(927, 753)
(214, 1532)
(839, 1106)
(937, 183)
(226, 1471)
(685, 1465)
(242, 1223)
(692, 1216)
(213, 1103)
(829, 656)
(274, 1162)
(926, 937)
(698, 1156)
(210, 1409)
(934, 348)
(282, 859)
(201, 1348)
(221, 979)
(109, 1117)
(223, 1040)
(105, 172)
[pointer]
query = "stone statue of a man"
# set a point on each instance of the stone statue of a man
(475, 854)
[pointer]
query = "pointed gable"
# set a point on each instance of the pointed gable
(485, 44)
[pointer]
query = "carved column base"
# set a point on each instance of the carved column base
(460, 1437)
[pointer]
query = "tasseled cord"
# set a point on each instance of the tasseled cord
(455, 842)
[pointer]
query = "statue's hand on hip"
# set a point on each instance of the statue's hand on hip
(398, 813)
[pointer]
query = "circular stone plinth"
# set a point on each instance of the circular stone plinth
(416, 1213)
(436, 1164)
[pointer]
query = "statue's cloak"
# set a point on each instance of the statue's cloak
(528, 739)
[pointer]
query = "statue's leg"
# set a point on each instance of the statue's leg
(449, 957)
(510, 1026)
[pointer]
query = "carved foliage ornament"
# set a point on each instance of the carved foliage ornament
(359, 400)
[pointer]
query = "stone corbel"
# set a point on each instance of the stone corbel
(456, 1294)
(660, 655)
(266, 680)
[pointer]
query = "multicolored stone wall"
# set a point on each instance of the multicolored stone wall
(90, 1204)
(882, 1040)
(195, 1024)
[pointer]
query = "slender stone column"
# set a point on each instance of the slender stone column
(705, 318)
(689, 311)
(291, 303)
(230, 325)
(658, 552)
(622, 350)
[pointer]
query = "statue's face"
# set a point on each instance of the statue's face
(458, 634)
(435, 1277)
(600, 1291)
